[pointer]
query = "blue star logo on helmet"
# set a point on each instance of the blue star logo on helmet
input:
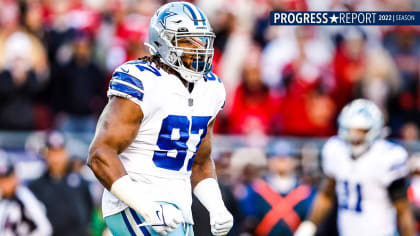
(162, 17)
(365, 112)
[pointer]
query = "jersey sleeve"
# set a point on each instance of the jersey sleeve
(128, 82)
(329, 157)
(394, 165)
(219, 91)
(222, 98)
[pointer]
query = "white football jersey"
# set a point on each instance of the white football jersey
(175, 122)
(364, 205)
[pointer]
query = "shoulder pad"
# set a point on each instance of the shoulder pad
(131, 78)
(334, 142)
(138, 67)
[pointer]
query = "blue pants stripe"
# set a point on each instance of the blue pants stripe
(138, 221)
(127, 224)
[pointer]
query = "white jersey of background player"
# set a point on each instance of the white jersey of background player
(153, 140)
(367, 175)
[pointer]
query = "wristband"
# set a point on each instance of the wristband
(208, 192)
(129, 192)
(307, 228)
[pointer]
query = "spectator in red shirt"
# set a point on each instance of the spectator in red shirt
(349, 65)
(253, 107)
(305, 110)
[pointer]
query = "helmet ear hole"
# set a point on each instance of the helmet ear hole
(172, 57)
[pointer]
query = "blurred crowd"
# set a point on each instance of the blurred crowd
(56, 58)
(269, 189)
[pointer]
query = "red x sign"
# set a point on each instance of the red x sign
(281, 207)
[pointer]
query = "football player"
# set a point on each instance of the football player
(153, 139)
(367, 176)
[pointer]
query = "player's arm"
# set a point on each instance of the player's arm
(398, 193)
(324, 201)
(203, 166)
(206, 188)
(322, 205)
(116, 129)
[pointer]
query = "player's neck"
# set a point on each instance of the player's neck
(359, 155)
(188, 85)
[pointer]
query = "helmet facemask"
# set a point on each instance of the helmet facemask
(359, 140)
(181, 35)
(190, 54)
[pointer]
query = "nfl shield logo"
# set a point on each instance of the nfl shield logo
(190, 102)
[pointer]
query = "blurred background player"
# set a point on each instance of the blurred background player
(154, 138)
(277, 203)
(71, 214)
(20, 211)
(366, 174)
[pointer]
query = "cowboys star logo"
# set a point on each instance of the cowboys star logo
(164, 15)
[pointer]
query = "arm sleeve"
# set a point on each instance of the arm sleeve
(220, 91)
(397, 190)
(222, 101)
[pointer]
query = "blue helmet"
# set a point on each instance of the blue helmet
(181, 35)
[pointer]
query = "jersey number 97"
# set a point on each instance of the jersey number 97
(165, 142)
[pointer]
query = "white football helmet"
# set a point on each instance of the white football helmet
(361, 114)
(181, 35)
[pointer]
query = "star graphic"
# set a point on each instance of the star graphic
(333, 19)
(164, 15)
